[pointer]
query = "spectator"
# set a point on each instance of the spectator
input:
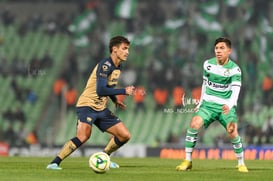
(31, 138)
(19, 115)
(250, 133)
(5, 68)
(31, 96)
(17, 90)
(8, 114)
(178, 93)
(20, 68)
(7, 17)
(196, 94)
(15, 115)
(267, 129)
(172, 138)
(10, 135)
(160, 97)
(58, 86)
(23, 29)
(139, 98)
(21, 136)
(46, 61)
(51, 26)
(71, 97)
(34, 67)
(267, 87)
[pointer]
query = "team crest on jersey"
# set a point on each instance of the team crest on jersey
(105, 68)
(227, 73)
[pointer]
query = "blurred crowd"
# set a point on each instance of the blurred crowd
(170, 40)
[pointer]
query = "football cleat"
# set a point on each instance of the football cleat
(113, 165)
(185, 165)
(242, 168)
(53, 166)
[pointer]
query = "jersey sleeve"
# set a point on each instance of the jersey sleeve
(236, 78)
(103, 71)
(205, 74)
(113, 98)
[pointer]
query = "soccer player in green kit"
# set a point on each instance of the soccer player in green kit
(220, 91)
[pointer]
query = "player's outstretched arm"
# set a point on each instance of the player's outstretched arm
(104, 90)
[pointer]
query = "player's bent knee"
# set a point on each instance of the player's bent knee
(231, 129)
(83, 138)
(196, 122)
(126, 137)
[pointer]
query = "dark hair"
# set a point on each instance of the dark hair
(223, 39)
(116, 41)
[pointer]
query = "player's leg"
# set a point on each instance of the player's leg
(121, 135)
(190, 142)
(237, 145)
(110, 123)
(83, 134)
(229, 121)
(84, 129)
(191, 135)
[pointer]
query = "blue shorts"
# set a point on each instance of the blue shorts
(102, 119)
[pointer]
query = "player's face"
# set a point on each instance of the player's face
(222, 52)
(122, 51)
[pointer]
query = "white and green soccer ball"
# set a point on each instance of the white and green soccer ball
(99, 162)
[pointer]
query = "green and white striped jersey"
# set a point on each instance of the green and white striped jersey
(221, 83)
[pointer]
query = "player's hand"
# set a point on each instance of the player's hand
(120, 104)
(130, 90)
(225, 109)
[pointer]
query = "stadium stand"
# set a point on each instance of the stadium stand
(33, 44)
(166, 51)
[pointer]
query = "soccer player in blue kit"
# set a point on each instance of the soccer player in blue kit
(220, 91)
(92, 108)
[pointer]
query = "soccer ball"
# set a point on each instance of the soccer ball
(99, 162)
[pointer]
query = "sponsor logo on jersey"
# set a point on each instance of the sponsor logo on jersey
(222, 86)
(113, 78)
(107, 63)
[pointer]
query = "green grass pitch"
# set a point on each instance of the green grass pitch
(135, 169)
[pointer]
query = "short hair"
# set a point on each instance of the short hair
(117, 40)
(223, 39)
